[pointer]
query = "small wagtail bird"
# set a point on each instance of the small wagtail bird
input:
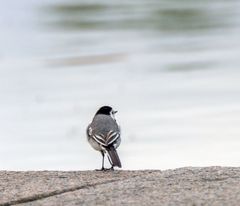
(103, 134)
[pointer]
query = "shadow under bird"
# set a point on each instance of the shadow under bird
(103, 134)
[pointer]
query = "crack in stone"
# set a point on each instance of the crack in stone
(53, 193)
(218, 179)
(214, 179)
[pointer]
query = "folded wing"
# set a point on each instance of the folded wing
(108, 139)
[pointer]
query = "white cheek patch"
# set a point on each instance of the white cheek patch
(112, 115)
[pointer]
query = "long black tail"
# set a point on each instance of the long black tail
(112, 152)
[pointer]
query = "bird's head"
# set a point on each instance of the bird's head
(106, 110)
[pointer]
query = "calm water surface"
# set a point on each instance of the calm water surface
(170, 68)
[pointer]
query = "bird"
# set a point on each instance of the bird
(104, 135)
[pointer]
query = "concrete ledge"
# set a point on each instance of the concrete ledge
(184, 186)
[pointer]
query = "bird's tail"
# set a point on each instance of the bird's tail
(112, 152)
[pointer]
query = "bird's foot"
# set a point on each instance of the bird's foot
(105, 169)
(110, 169)
(102, 169)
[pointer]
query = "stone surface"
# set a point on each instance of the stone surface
(184, 186)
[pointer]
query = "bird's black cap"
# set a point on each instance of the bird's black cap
(104, 110)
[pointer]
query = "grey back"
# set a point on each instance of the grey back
(102, 124)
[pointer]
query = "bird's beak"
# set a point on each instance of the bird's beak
(114, 112)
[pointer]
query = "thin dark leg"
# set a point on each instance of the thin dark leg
(111, 168)
(102, 160)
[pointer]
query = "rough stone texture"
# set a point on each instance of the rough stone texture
(184, 186)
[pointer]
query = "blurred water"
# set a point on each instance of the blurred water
(170, 68)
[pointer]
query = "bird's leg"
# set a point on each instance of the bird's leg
(102, 169)
(111, 168)
(102, 160)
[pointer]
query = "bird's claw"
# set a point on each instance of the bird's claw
(105, 169)
(102, 169)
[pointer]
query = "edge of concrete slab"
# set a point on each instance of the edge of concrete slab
(179, 186)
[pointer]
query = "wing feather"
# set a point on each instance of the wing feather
(112, 137)
(106, 140)
(99, 139)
